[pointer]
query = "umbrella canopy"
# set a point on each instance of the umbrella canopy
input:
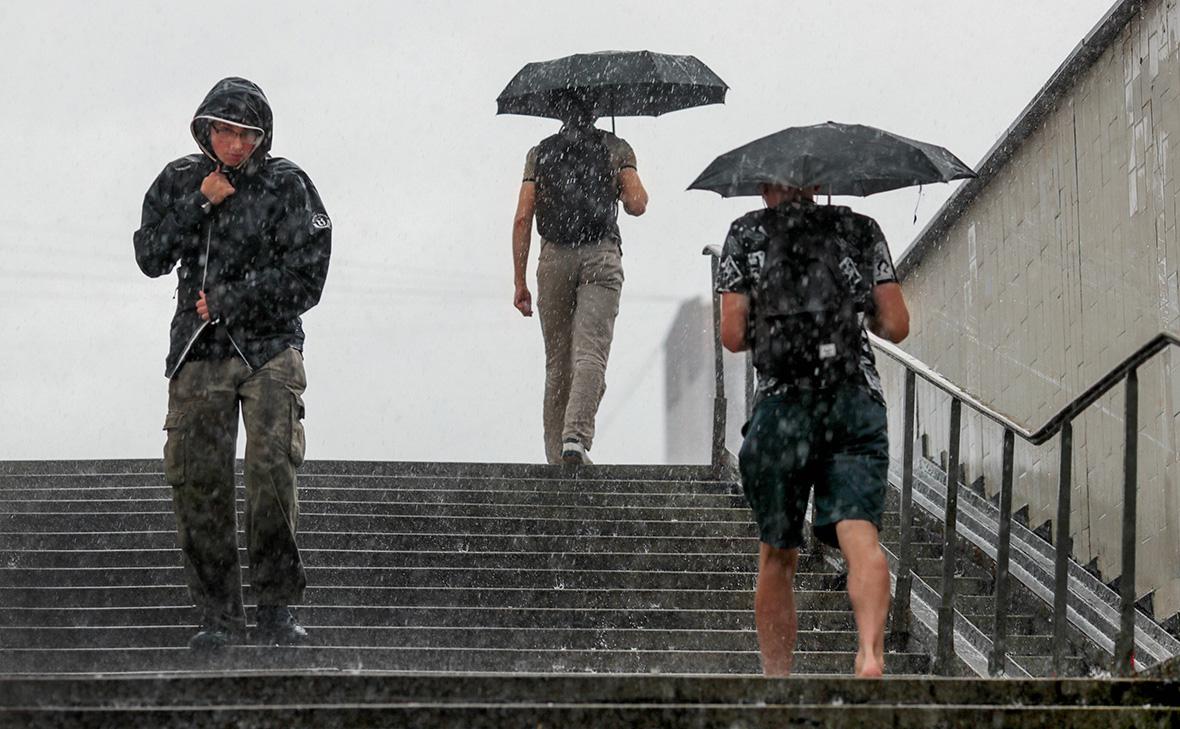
(612, 83)
(841, 159)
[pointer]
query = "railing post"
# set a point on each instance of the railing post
(905, 559)
(1124, 650)
(946, 613)
(718, 456)
(998, 661)
(1064, 547)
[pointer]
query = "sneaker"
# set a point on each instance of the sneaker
(213, 636)
(277, 626)
(574, 453)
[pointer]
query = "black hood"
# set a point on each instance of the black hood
(237, 101)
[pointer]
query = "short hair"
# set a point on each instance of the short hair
(572, 108)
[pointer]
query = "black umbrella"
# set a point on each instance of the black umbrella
(841, 159)
(612, 83)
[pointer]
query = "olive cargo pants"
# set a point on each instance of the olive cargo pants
(202, 425)
(578, 291)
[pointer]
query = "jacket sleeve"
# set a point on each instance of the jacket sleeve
(294, 279)
(170, 226)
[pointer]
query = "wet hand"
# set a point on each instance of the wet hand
(523, 300)
(203, 307)
(215, 187)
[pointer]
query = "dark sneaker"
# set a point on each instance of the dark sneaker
(277, 626)
(212, 637)
(574, 453)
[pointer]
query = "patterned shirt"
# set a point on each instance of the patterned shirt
(740, 268)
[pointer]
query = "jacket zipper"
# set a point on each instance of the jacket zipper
(231, 341)
(192, 340)
(187, 347)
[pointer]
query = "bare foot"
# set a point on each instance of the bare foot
(868, 667)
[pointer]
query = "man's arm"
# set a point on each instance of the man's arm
(891, 319)
(735, 316)
(522, 235)
(631, 192)
(168, 227)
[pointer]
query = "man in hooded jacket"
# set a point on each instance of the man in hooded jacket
(250, 241)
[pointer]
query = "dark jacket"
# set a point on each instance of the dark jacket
(261, 256)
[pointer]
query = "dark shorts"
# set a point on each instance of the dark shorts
(834, 441)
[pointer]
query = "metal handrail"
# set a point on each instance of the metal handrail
(1053, 425)
(1060, 424)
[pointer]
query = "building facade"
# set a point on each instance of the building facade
(1043, 274)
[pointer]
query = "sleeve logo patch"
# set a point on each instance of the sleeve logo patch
(320, 221)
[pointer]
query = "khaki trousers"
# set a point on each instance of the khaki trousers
(578, 292)
(202, 424)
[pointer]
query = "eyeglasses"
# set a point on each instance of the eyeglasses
(247, 136)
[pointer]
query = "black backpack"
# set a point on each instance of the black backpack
(577, 189)
(815, 285)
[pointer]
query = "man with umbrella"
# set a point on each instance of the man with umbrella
(571, 183)
(799, 283)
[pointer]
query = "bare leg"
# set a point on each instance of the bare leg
(868, 590)
(774, 609)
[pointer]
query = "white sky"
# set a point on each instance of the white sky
(415, 352)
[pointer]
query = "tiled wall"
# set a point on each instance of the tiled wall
(1065, 264)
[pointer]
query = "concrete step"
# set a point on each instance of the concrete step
(543, 713)
(932, 567)
(254, 689)
(441, 540)
(480, 637)
(475, 636)
(548, 481)
(546, 597)
(970, 586)
(1041, 666)
(708, 618)
(924, 532)
(921, 550)
(255, 658)
(323, 558)
(1028, 643)
(1019, 624)
(160, 498)
(553, 596)
(33, 513)
(472, 521)
(382, 468)
(559, 577)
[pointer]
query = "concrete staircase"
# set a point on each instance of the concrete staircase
(416, 567)
(462, 595)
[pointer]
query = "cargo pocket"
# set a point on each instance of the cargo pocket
(175, 455)
(298, 438)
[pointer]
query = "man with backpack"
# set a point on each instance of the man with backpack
(799, 282)
(573, 181)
